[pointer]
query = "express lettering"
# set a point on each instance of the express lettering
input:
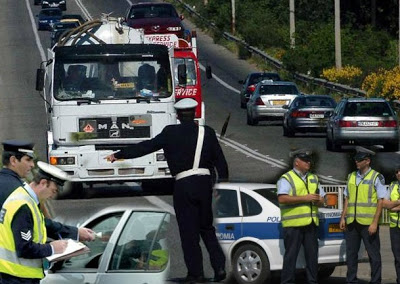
(181, 92)
(273, 219)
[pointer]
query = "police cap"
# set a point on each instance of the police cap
(362, 154)
(303, 154)
(185, 104)
(19, 146)
(52, 173)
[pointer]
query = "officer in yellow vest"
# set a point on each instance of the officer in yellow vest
(364, 194)
(393, 203)
(22, 228)
(299, 195)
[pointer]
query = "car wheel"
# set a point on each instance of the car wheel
(242, 104)
(392, 147)
(250, 265)
(250, 120)
(331, 145)
(325, 271)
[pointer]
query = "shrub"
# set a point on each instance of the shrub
(383, 83)
(348, 75)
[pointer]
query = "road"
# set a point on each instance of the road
(258, 154)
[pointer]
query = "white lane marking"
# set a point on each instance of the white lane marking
(219, 80)
(35, 31)
(265, 158)
(84, 10)
(160, 203)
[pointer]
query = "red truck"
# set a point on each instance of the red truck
(186, 53)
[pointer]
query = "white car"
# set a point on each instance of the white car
(130, 244)
(249, 229)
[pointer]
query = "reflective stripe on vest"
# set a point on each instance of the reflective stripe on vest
(10, 263)
(362, 199)
(394, 195)
(299, 214)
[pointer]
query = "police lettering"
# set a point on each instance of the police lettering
(225, 236)
(273, 219)
(181, 92)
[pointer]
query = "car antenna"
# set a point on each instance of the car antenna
(225, 126)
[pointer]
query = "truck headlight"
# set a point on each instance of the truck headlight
(160, 157)
(62, 161)
(174, 29)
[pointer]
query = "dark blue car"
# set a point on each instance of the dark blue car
(47, 17)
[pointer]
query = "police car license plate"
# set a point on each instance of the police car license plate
(279, 102)
(316, 115)
(367, 123)
(334, 228)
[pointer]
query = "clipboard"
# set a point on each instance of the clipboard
(74, 248)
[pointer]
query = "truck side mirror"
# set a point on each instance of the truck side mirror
(208, 72)
(182, 74)
(40, 79)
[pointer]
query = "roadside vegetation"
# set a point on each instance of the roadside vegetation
(369, 38)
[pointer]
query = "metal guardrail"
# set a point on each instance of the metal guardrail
(338, 189)
(275, 62)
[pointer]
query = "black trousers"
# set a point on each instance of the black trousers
(293, 238)
(395, 242)
(9, 279)
(192, 203)
(354, 234)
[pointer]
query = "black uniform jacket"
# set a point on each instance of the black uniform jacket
(179, 144)
(9, 181)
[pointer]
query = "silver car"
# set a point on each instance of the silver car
(308, 113)
(268, 100)
(130, 247)
(362, 121)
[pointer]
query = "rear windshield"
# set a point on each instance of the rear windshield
(278, 89)
(270, 194)
(51, 12)
(256, 78)
(314, 102)
(367, 109)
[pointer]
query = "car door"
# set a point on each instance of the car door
(138, 251)
(228, 216)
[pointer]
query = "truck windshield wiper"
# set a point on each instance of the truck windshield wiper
(86, 101)
(147, 100)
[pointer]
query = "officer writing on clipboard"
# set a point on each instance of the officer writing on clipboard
(23, 232)
(192, 153)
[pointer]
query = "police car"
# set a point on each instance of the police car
(249, 229)
(130, 244)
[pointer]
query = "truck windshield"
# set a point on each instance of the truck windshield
(112, 79)
(191, 77)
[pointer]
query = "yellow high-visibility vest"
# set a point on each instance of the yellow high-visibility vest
(394, 216)
(300, 214)
(362, 199)
(10, 263)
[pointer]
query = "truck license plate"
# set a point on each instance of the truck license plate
(334, 228)
(367, 123)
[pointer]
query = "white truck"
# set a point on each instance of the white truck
(107, 87)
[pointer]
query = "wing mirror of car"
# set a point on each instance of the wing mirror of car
(182, 17)
(208, 72)
(40, 79)
(285, 106)
(241, 82)
(329, 114)
(182, 74)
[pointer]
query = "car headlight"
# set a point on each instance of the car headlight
(62, 161)
(174, 29)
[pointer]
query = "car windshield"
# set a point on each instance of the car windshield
(367, 109)
(314, 102)
(269, 193)
(278, 89)
(55, 12)
(112, 79)
(153, 11)
(256, 78)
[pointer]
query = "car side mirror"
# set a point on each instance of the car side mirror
(208, 72)
(285, 106)
(40, 79)
(182, 74)
(241, 82)
(330, 114)
(182, 17)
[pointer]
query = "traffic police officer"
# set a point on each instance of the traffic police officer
(364, 194)
(17, 159)
(299, 195)
(192, 153)
(22, 228)
(394, 205)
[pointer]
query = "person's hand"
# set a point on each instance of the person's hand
(342, 224)
(312, 197)
(372, 229)
(111, 158)
(59, 246)
(86, 234)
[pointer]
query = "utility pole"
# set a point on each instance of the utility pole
(338, 47)
(205, 2)
(233, 17)
(292, 25)
(399, 32)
